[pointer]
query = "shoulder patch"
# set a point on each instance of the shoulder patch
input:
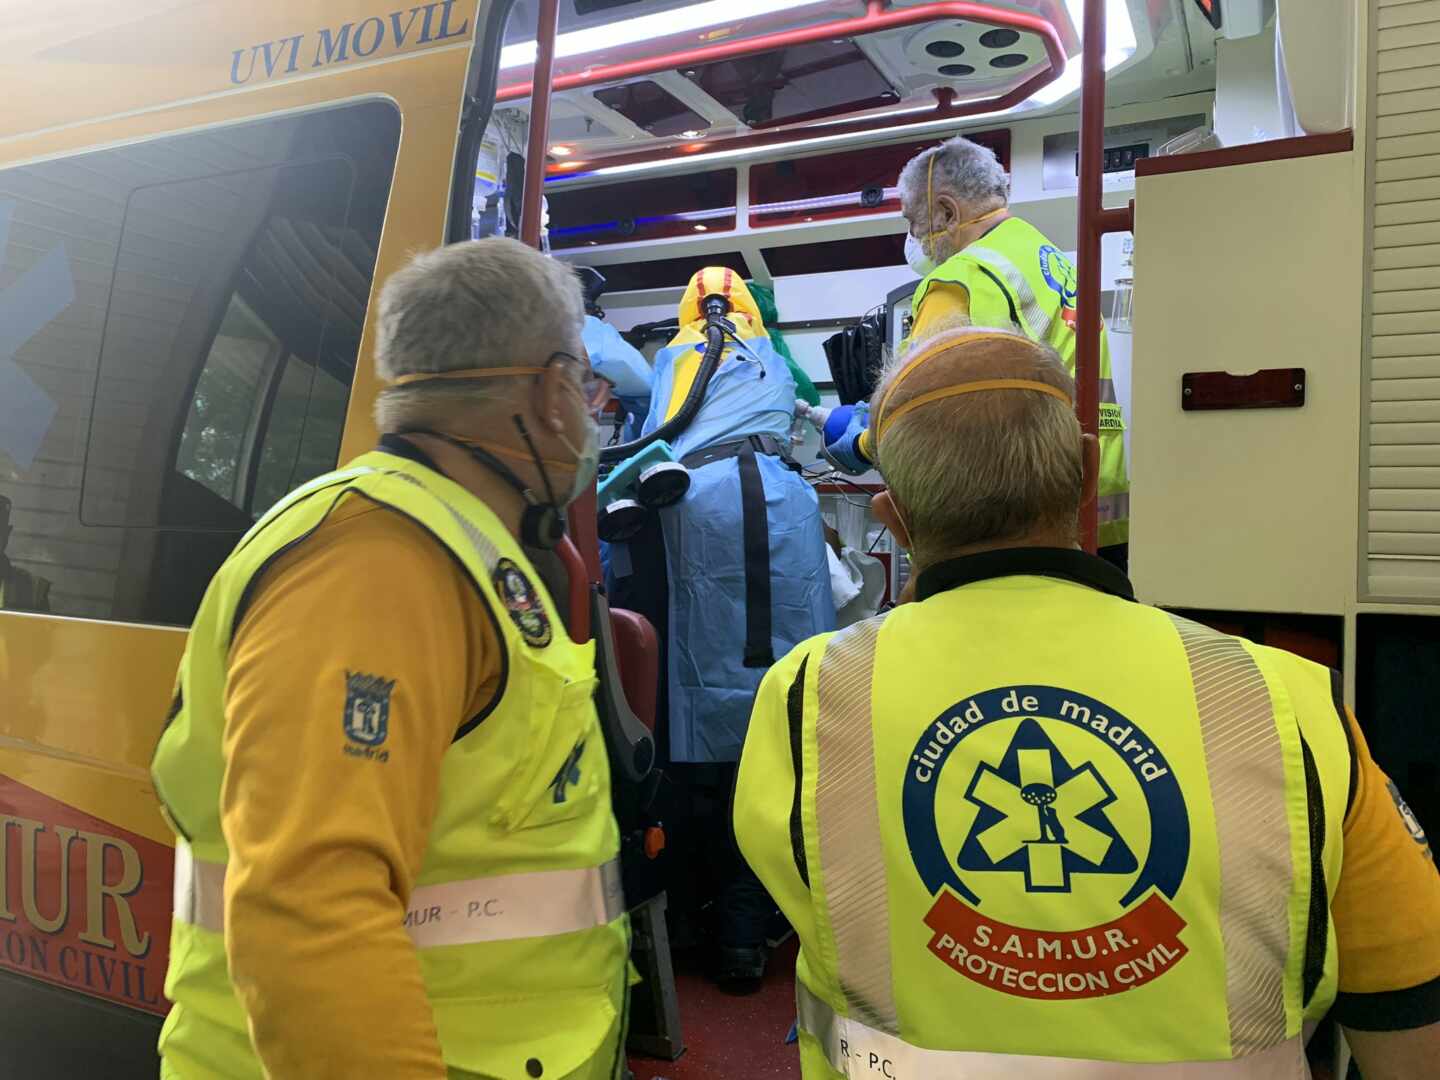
(1412, 823)
(522, 602)
(366, 718)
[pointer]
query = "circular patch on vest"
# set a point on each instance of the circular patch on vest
(522, 602)
(1059, 274)
(1030, 810)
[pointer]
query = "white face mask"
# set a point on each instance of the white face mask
(587, 463)
(916, 257)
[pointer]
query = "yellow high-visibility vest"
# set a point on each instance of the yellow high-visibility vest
(517, 913)
(1016, 278)
(1026, 825)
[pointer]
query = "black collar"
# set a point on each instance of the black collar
(1068, 563)
(403, 447)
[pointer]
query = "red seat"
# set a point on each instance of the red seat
(637, 652)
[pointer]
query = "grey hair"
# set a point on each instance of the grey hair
(476, 304)
(982, 467)
(967, 171)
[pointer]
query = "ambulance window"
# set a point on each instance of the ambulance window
(227, 397)
(303, 436)
(190, 311)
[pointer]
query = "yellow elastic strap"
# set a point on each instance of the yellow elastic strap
(969, 388)
(464, 373)
(944, 344)
(930, 204)
(930, 192)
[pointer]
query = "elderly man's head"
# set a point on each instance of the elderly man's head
(948, 193)
(970, 457)
(481, 341)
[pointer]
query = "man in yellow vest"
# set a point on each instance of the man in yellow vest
(396, 854)
(1028, 827)
(977, 262)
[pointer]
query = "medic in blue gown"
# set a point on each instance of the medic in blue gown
(613, 358)
(744, 578)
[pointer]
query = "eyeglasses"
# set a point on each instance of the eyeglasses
(594, 389)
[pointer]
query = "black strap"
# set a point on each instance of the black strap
(1317, 929)
(756, 444)
(795, 713)
(1014, 315)
(756, 529)
(1337, 695)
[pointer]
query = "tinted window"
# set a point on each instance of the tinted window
(179, 326)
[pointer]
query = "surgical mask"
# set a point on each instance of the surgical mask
(916, 256)
(587, 463)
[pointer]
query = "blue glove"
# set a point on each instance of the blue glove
(842, 438)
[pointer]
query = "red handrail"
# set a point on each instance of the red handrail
(945, 109)
(1095, 221)
(576, 569)
(539, 123)
(877, 17)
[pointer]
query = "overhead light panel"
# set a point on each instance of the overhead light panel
(1119, 47)
(644, 28)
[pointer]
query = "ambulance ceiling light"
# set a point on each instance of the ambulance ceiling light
(1120, 45)
(664, 24)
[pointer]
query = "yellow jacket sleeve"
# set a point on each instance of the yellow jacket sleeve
(325, 835)
(945, 302)
(1387, 903)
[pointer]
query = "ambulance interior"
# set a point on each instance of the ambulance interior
(781, 163)
(1236, 139)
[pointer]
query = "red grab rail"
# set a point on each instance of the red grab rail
(1095, 221)
(878, 17)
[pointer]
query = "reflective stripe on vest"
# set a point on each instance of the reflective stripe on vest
(854, 1049)
(1246, 770)
(851, 850)
(499, 908)
(1246, 774)
(1040, 322)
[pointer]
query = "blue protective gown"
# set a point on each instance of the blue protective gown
(617, 361)
(710, 689)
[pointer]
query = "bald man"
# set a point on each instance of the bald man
(1026, 826)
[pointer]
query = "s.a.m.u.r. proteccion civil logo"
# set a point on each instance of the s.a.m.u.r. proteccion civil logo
(1067, 811)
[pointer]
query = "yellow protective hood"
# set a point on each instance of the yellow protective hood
(744, 312)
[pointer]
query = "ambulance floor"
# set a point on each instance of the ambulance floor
(726, 1036)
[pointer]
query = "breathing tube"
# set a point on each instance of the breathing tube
(716, 307)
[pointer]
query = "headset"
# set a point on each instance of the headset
(542, 522)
